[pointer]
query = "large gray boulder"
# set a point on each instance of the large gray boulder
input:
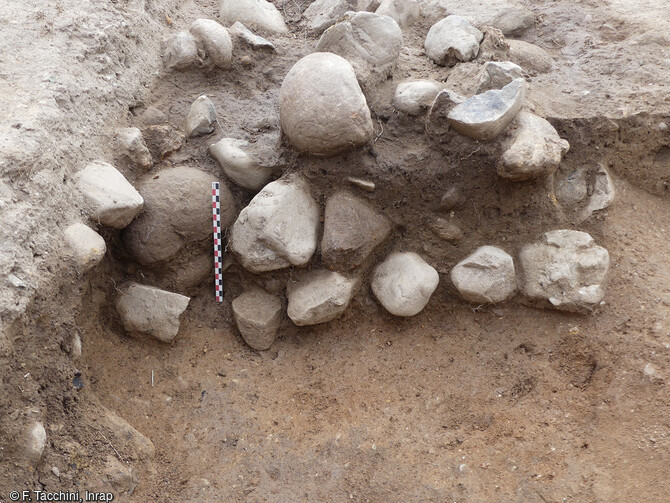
(322, 109)
(111, 199)
(258, 315)
(509, 16)
(86, 246)
(534, 150)
(452, 40)
(567, 269)
(241, 163)
(484, 116)
(151, 311)
(403, 12)
(322, 14)
(414, 98)
(485, 277)
(352, 229)
(318, 297)
(278, 228)
(258, 14)
(177, 212)
(403, 283)
(370, 42)
(215, 40)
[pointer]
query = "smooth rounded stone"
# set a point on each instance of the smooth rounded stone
(177, 212)
(322, 109)
(132, 146)
(250, 38)
(486, 277)
(351, 230)
(367, 5)
(34, 443)
(602, 194)
(151, 311)
(201, 117)
(450, 199)
(414, 98)
(403, 283)
(370, 42)
(215, 39)
(446, 230)
(278, 228)
(404, 12)
(238, 160)
(484, 116)
(437, 123)
(452, 40)
(319, 296)
(86, 246)
(322, 14)
(258, 315)
(163, 140)
(361, 183)
(258, 14)
(181, 51)
(567, 269)
(534, 150)
(497, 74)
(530, 57)
(112, 200)
(510, 16)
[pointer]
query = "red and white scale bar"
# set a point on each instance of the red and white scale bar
(216, 218)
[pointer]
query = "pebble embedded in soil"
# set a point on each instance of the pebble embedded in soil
(415, 98)
(319, 296)
(602, 194)
(530, 57)
(484, 116)
(486, 277)
(258, 315)
(131, 143)
(181, 51)
(366, 185)
(215, 40)
(278, 228)
(446, 230)
(452, 40)
(322, 109)
(111, 199)
(250, 38)
(151, 311)
(34, 443)
(404, 283)
(450, 199)
(567, 269)
(87, 247)
(201, 117)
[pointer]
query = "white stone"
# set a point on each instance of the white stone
(602, 194)
(35, 442)
(452, 40)
(365, 185)
(250, 38)
(112, 200)
(414, 98)
(567, 269)
(279, 227)
(258, 14)
(404, 12)
(484, 116)
(322, 14)
(181, 51)
(132, 146)
(497, 74)
(258, 316)
(201, 117)
(367, 5)
(237, 159)
(151, 311)
(534, 149)
(215, 39)
(86, 246)
(319, 297)
(509, 16)
(403, 283)
(322, 109)
(485, 277)
(370, 42)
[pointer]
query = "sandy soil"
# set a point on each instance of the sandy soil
(460, 403)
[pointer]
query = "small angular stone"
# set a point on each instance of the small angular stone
(319, 297)
(486, 277)
(446, 230)
(162, 140)
(201, 117)
(602, 194)
(250, 38)
(437, 123)
(181, 51)
(87, 246)
(496, 75)
(484, 116)
(352, 229)
(132, 146)
(258, 316)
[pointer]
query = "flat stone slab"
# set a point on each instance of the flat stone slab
(484, 116)
(318, 297)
